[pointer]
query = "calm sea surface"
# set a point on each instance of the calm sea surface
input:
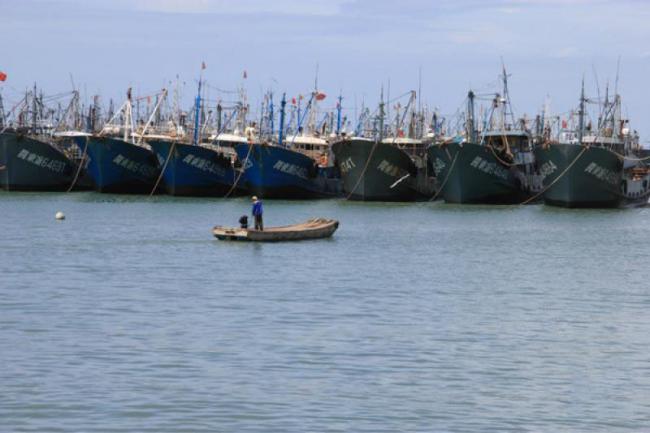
(129, 317)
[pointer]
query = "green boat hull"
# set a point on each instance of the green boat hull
(579, 177)
(469, 173)
(376, 171)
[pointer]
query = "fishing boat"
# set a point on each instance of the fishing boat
(602, 167)
(317, 228)
(385, 168)
(198, 166)
(119, 160)
(298, 167)
(33, 163)
(32, 156)
(493, 165)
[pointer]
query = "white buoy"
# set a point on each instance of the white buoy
(59, 215)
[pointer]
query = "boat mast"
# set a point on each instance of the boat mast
(2, 113)
(197, 112)
(471, 130)
(271, 115)
(338, 114)
(506, 101)
(283, 104)
(34, 109)
(581, 113)
(219, 116)
(128, 114)
(381, 115)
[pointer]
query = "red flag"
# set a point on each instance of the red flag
(3, 76)
(564, 124)
(202, 65)
(293, 101)
(245, 74)
(320, 96)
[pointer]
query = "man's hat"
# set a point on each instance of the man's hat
(254, 198)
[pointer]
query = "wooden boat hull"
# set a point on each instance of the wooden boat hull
(317, 228)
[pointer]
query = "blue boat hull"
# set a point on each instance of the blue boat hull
(116, 166)
(277, 172)
(194, 170)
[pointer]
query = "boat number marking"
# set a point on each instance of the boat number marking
(347, 165)
(291, 169)
(135, 167)
(491, 168)
(438, 166)
(602, 173)
(390, 169)
(204, 165)
(41, 161)
(547, 169)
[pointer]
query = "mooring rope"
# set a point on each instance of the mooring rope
(164, 167)
(565, 171)
(629, 158)
(451, 167)
(365, 168)
(241, 173)
(81, 164)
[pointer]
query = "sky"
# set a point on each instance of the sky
(357, 46)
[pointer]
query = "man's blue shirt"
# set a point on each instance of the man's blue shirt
(257, 209)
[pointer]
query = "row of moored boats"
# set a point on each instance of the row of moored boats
(400, 152)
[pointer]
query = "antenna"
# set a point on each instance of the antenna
(72, 82)
(581, 113)
(419, 88)
(618, 69)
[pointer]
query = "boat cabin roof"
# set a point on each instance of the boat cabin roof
(507, 133)
(306, 139)
(231, 138)
(72, 134)
(401, 140)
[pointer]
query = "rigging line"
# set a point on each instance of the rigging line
(365, 168)
(629, 158)
(534, 197)
(81, 164)
(164, 167)
(398, 97)
(10, 112)
(241, 172)
(451, 167)
(489, 146)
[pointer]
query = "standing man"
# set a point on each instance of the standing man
(257, 214)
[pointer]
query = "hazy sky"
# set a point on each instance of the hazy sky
(547, 46)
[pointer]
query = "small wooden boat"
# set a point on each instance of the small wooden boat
(316, 228)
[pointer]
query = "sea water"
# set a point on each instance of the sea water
(128, 316)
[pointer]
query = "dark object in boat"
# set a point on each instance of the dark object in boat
(243, 222)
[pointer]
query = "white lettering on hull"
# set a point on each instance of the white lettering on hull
(347, 165)
(134, 167)
(490, 168)
(602, 173)
(41, 161)
(438, 166)
(547, 169)
(391, 169)
(204, 165)
(290, 169)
